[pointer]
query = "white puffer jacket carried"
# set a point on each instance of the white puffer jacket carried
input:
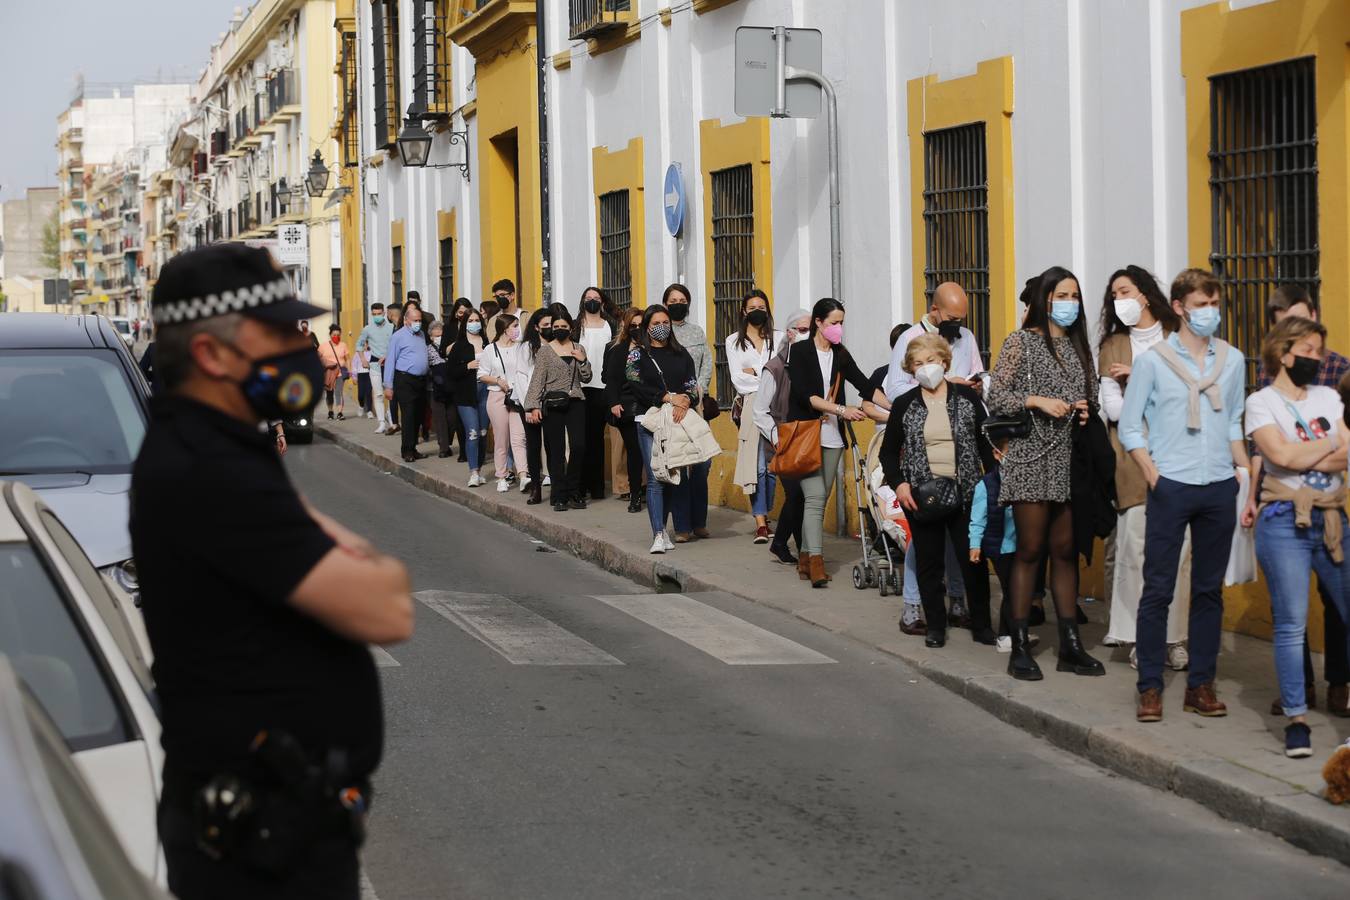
(675, 445)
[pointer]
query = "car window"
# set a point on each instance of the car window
(67, 411)
(53, 656)
(102, 852)
(109, 608)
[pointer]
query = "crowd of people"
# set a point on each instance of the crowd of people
(1020, 469)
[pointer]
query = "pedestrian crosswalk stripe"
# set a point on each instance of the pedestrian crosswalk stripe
(383, 657)
(718, 634)
(519, 635)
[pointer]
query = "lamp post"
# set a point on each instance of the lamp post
(316, 179)
(414, 142)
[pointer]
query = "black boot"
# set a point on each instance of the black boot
(1072, 657)
(1020, 664)
(536, 494)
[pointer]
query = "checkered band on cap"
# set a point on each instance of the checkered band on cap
(192, 308)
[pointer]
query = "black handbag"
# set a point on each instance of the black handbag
(936, 499)
(556, 400)
(1005, 428)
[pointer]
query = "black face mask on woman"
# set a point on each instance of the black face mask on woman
(1304, 370)
(678, 311)
(757, 317)
(591, 306)
(562, 334)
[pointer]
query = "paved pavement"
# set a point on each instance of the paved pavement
(557, 730)
(1234, 765)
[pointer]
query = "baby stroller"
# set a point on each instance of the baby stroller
(882, 528)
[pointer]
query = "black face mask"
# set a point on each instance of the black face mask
(678, 311)
(950, 330)
(757, 317)
(562, 334)
(283, 385)
(591, 306)
(1304, 370)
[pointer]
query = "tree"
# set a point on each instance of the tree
(50, 256)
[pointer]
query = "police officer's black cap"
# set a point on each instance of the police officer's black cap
(226, 278)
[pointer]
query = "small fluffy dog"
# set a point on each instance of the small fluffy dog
(1336, 773)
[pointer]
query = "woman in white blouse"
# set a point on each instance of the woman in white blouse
(747, 351)
(597, 323)
(497, 369)
(1135, 316)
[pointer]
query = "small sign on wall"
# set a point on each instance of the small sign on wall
(293, 245)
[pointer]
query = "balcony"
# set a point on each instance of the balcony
(283, 90)
(493, 24)
(595, 19)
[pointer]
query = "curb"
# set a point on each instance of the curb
(1249, 798)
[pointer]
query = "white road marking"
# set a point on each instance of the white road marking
(519, 635)
(367, 889)
(383, 658)
(720, 635)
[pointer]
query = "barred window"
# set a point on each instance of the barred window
(616, 269)
(1263, 190)
(733, 237)
(396, 273)
(351, 110)
(956, 220)
(447, 254)
(384, 38)
(431, 75)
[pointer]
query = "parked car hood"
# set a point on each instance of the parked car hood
(93, 507)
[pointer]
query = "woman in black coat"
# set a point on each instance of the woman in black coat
(613, 372)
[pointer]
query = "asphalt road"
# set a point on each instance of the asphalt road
(544, 743)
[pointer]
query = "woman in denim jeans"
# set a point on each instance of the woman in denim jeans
(470, 394)
(1300, 526)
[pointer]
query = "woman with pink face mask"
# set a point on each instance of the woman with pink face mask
(817, 371)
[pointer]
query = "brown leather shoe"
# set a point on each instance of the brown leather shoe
(1203, 701)
(1338, 700)
(821, 557)
(818, 577)
(702, 533)
(1277, 708)
(1150, 706)
(804, 566)
(918, 627)
(681, 537)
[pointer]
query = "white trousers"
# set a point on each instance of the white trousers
(377, 393)
(1127, 583)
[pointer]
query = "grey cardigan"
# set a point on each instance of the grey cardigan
(553, 373)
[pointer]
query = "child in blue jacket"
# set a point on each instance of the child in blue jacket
(993, 536)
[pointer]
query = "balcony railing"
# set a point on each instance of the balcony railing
(597, 18)
(283, 89)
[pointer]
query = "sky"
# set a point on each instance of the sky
(47, 43)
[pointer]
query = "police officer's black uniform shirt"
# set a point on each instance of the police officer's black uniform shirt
(221, 539)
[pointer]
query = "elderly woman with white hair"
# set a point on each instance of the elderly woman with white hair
(769, 410)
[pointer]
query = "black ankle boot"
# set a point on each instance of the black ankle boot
(536, 494)
(1072, 657)
(1020, 664)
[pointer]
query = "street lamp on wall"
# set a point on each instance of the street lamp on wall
(414, 144)
(316, 179)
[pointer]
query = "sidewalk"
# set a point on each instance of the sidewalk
(1234, 765)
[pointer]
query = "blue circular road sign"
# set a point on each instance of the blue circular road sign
(672, 199)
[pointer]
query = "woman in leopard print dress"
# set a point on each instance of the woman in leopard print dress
(1044, 371)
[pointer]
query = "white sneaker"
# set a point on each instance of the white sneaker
(658, 543)
(475, 479)
(1004, 644)
(665, 539)
(525, 484)
(1178, 657)
(502, 486)
(380, 429)
(1134, 659)
(548, 481)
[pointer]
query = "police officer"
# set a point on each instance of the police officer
(258, 607)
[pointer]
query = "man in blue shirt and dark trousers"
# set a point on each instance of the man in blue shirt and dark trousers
(1189, 392)
(405, 378)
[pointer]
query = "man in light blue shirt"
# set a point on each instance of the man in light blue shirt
(405, 378)
(374, 341)
(1189, 392)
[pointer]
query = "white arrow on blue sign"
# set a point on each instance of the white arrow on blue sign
(673, 199)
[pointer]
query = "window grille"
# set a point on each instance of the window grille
(337, 294)
(1263, 193)
(431, 78)
(396, 270)
(616, 269)
(956, 220)
(384, 38)
(593, 18)
(733, 237)
(447, 260)
(351, 111)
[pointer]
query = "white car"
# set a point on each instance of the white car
(124, 330)
(72, 639)
(55, 840)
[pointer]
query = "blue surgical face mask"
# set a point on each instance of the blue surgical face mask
(378, 320)
(474, 327)
(415, 326)
(1064, 312)
(1204, 321)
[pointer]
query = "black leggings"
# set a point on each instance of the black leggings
(593, 463)
(534, 449)
(632, 456)
(565, 433)
(1041, 528)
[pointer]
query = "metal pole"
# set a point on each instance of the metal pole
(545, 234)
(836, 248)
(780, 60)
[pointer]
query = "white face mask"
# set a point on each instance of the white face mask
(1128, 310)
(930, 375)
